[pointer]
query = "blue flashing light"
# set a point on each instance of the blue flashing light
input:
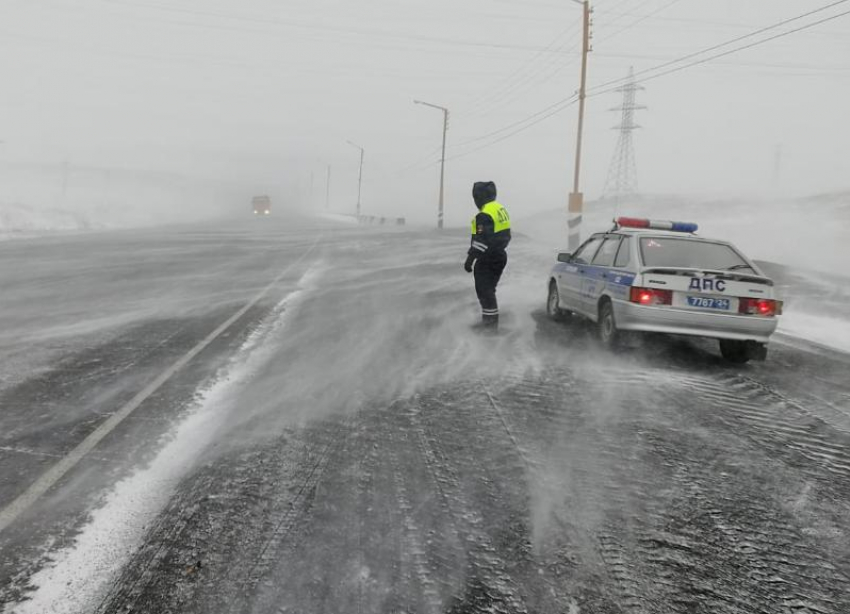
(684, 227)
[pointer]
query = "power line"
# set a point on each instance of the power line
(559, 106)
(420, 163)
(732, 51)
(556, 108)
(710, 24)
(545, 113)
(424, 161)
(639, 21)
(520, 71)
(517, 123)
(521, 125)
(542, 72)
(726, 43)
(320, 28)
(745, 64)
(207, 60)
(617, 17)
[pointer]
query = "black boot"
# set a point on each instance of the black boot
(489, 324)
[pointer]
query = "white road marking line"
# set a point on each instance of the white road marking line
(50, 477)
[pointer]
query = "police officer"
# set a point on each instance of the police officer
(491, 233)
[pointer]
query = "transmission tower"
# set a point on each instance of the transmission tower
(622, 174)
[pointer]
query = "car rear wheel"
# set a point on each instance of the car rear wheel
(734, 351)
(607, 325)
(553, 303)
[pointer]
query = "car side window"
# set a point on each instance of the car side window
(624, 256)
(587, 251)
(606, 254)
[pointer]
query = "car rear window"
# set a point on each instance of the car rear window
(684, 253)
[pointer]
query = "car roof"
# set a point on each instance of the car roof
(651, 232)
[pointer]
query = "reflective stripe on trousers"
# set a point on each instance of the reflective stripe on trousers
(488, 271)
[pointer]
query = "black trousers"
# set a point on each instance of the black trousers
(488, 271)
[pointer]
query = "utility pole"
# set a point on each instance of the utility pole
(576, 201)
(328, 190)
(442, 159)
(360, 178)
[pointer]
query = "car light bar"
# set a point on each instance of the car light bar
(634, 222)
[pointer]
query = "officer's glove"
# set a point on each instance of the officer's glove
(467, 266)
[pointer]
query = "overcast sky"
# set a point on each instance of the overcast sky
(264, 93)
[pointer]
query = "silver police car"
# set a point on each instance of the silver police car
(657, 276)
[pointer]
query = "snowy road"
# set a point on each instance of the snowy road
(346, 444)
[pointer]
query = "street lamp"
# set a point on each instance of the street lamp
(442, 158)
(360, 178)
(328, 190)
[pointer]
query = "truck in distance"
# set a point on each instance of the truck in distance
(262, 205)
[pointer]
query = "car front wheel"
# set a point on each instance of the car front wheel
(553, 303)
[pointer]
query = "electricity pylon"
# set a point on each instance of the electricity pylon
(622, 174)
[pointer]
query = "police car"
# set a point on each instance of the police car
(654, 276)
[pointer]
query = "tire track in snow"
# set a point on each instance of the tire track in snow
(778, 423)
(245, 580)
(413, 554)
(489, 587)
(544, 399)
(782, 567)
(745, 537)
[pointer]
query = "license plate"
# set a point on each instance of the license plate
(704, 302)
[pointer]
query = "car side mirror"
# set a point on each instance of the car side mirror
(565, 257)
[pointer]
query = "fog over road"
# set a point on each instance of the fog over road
(267, 417)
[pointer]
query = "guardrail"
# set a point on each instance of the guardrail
(381, 221)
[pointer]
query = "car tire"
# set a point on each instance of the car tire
(734, 351)
(606, 325)
(553, 308)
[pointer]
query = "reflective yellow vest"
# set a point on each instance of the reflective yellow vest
(501, 219)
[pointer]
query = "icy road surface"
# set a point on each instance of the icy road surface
(266, 418)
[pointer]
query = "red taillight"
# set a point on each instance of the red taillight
(759, 307)
(650, 296)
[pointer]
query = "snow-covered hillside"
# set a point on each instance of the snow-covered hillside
(37, 200)
(811, 233)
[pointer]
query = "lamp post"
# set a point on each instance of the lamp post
(360, 177)
(328, 190)
(442, 158)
